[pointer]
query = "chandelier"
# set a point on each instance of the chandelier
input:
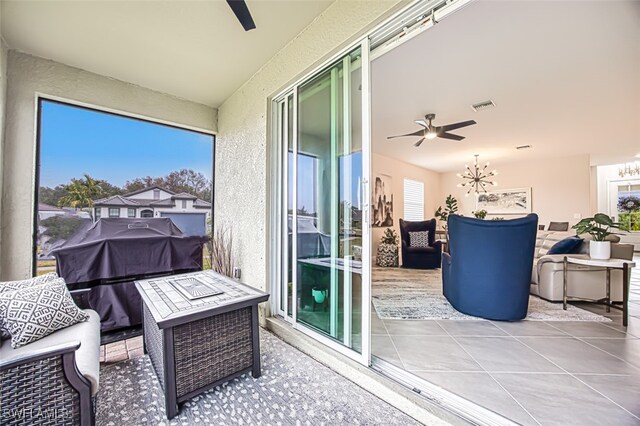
(629, 169)
(477, 178)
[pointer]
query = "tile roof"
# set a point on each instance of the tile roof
(184, 196)
(46, 207)
(116, 200)
(201, 204)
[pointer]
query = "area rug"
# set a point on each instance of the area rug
(294, 389)
(417, 295)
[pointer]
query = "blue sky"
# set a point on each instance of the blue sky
(76, 141)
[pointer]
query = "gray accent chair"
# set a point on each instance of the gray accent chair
(53, 380)
(558, 226)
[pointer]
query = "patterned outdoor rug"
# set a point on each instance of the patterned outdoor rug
(417, 295)
(293, 389)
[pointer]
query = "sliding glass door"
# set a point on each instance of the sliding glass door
(322, 127)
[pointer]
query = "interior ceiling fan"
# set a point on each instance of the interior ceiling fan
(429, 131)
(240, 9)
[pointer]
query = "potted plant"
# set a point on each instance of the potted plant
(480, 214)
(599, 227)
(388, 249)
(451, 207)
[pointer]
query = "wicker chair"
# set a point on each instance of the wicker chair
(42, 384)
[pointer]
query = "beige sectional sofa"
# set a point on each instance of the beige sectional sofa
(583, 281)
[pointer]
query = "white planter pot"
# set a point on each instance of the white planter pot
(600, 249)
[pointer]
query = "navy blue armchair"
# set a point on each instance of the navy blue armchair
(487, 271)
(420, 257)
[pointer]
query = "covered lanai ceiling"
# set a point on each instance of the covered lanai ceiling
(196, 50)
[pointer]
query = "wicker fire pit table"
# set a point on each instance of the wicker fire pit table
(200, 330)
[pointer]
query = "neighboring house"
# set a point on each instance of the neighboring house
(187, 211)
(45, 211)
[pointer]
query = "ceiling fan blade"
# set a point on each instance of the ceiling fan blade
(418, 133)
(422, 123)
(419, 142)
(454, 126)
(445, 135)
(240, 9)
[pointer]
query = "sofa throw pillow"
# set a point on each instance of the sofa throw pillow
(34, 312)
(419, 239)
(29, 282)
(16, 285)
(570, 245)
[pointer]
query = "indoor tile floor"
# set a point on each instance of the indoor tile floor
(530, 372)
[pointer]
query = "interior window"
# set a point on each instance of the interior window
(413, 200)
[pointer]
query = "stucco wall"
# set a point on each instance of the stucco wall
(560, 187)
(28, 75)
(242, 144)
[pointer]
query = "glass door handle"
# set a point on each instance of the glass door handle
(365, 203)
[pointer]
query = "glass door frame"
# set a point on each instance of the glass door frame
(279, 263)
(281, 127)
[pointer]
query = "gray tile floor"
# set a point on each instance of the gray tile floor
(534, 373)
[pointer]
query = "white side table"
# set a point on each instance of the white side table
(623, 264)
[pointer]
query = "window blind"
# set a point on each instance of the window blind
(413, 200)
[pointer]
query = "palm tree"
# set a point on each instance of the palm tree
(80, 193)
(94, 188)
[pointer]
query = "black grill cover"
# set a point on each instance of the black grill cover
(124, 250)
(121, 248)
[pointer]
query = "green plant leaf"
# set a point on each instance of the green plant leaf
(603, 219)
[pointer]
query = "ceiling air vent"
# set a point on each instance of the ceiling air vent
(523, 147)
(483, 105)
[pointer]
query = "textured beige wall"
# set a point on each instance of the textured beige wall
(243, 143)
(560, 187)
(400, 170)
(28, 75)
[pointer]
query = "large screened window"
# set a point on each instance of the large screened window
(94, 165)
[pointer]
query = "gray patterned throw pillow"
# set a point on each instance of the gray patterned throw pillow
(419, 239)
(34, 312)
(16, 285)
(29, 282)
